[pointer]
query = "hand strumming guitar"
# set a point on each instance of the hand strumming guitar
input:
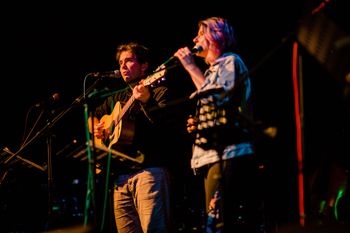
(100, 131)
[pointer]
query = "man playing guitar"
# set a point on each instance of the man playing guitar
(123, 122)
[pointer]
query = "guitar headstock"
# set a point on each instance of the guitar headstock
(155, 77)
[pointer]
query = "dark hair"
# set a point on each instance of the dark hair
(141, 52)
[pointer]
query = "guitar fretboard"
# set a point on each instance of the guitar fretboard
(127, 105)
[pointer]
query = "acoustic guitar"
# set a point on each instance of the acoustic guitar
(119, 130)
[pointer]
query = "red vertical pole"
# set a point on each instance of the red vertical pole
(299, 136)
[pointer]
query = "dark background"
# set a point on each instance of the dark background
(49, 49)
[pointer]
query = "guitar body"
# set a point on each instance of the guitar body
(121, 131)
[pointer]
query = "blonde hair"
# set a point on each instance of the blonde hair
(220, 31)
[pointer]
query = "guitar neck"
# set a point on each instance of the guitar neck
(148, 81)
(125, 108)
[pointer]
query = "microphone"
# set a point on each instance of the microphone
(54, 98)
(106, 74)
(194, 50)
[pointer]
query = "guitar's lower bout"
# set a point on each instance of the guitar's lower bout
(120, 131)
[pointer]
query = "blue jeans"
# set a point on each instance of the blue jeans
(142, 201)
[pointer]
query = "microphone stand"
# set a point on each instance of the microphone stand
(51, 123)
(27, 162)
(163, 66)
(44, 130)
(49, 177)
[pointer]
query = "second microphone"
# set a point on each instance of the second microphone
(106, 74)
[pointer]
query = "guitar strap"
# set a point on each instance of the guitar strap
(141, 105)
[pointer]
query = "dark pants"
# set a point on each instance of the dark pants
(233, 203)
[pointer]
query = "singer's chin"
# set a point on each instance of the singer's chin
(128, 79)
